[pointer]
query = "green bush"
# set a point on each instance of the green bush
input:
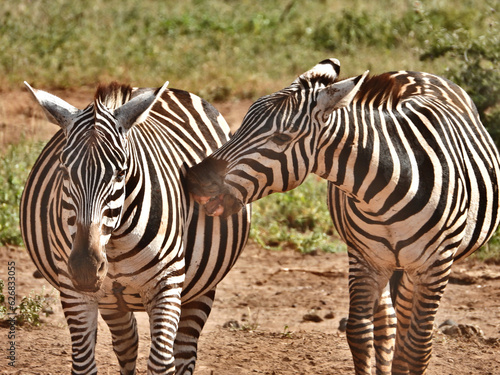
(219, 49)
(473, 62)
(30, 309)
(298, 219)
(15, 165)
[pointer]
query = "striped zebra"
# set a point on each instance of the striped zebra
(413, 187)
(107, 220)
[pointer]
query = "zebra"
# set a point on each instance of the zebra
(107, 220)
(413, 182)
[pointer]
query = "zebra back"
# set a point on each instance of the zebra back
(429, 126)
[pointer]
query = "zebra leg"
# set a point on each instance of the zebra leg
(417, 305)
(403, 303)
(365, 297)
(384, 333)
(164, 313)
(194, 315)
(81, 316)
(123, 327)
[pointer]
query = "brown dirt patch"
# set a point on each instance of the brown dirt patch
(269, 293)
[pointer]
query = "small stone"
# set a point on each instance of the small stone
(469, 330)
(232, 324)
(447, 322)
(452, 331)
(329, 315)
(37, 275)
(312, 317)
(343, 325)
(459, 330)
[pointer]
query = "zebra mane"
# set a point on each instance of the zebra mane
(113, 95)
(386, 88)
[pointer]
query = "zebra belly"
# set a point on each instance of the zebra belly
(412, 243)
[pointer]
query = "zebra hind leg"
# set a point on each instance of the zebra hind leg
(123, 327)
(194, 315)
(417, 303)
(384, 333)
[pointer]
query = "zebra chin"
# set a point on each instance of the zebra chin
(88, 288)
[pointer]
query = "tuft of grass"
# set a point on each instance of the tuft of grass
(15, 165)
(298, 219)
(28, 312)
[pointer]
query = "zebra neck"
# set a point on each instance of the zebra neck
(359, 158)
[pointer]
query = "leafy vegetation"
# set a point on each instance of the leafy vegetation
(30, 309)
(298, 219)
(15, 165)
(220, 49)
(476, 65)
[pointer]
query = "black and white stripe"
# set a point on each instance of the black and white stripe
(107, 220)
(413, 187)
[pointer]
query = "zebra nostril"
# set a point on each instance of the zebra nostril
(102, 268)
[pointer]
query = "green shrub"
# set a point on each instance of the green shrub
(15, 165)
(218, 49)
(298, 219)
(30, 309)
(473, 62)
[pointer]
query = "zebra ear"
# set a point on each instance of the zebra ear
(137, 109)
(327, 71)
(57, 110)
(340, 94)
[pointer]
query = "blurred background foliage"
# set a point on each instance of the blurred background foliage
(227, 50)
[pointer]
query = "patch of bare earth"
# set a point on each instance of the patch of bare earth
(275, 313)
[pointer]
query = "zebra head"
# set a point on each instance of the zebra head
(275, 147)
(94, 170)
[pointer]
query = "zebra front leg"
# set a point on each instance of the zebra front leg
(194, 315)
(365, 291)
(164, 312)
(81, 316)
(123, 327)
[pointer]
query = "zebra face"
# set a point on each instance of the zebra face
(93, 169)
(275, 147)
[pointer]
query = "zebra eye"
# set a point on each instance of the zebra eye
(280, 138)
(120, 175)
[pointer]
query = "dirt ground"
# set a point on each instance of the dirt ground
(275, 313)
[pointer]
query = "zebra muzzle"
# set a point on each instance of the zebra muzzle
(213, 205)
(87, 263)
(223, 205)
